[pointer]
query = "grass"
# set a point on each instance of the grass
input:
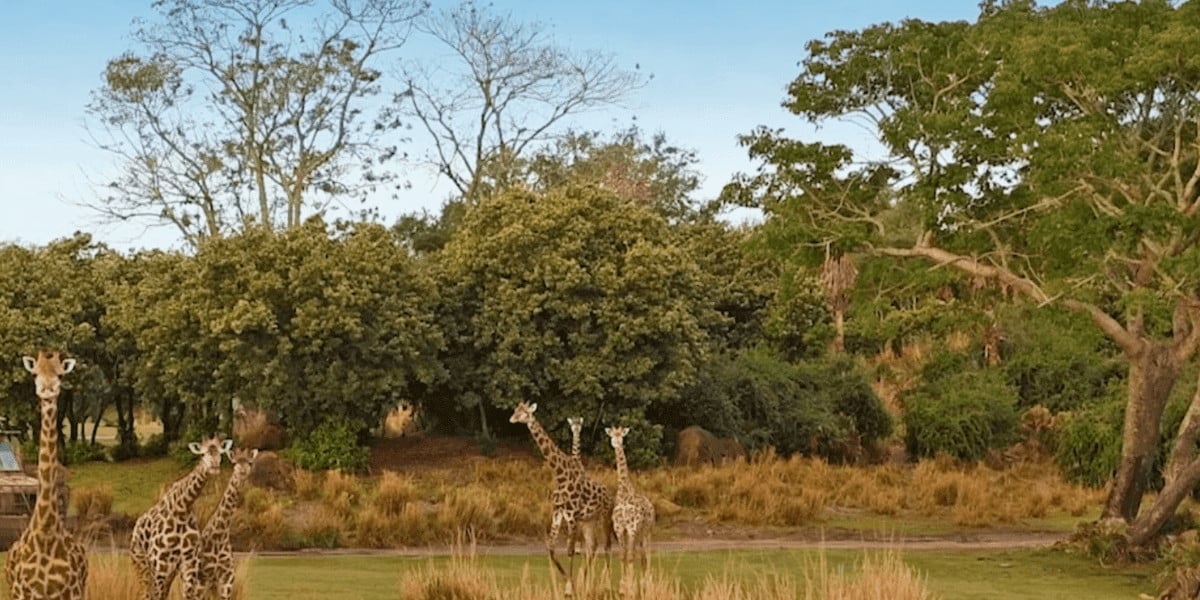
(982, 575)
(134, 485)
(506, 500)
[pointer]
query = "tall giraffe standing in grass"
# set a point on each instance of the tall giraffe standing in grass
(47, 562)
(216, 553)
(633, 514)
(577, 500)
(165, 538)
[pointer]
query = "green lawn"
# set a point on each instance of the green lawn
(134, 484)
(1016, 575)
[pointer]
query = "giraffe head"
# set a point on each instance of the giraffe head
(616, 435)
(523, 413)
(48, 369)
(243, 461)
(210, 451)
(576, 424)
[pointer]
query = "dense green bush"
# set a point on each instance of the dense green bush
(333, 445)
(1087, 443)
(1057, 359)
(810, 408)
(82, 452)
(961, 414)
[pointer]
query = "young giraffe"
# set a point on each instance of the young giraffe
(47, 562)
(633, 514)
(216, 553)
(165, 538)
(577, 500)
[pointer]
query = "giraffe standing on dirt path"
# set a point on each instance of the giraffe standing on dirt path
(216, 553)
(577, 500)
(47, 562)
(165, 538)
(633, 514)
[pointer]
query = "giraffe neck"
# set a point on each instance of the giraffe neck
(183, 493)
(554, 456)
(218, 524)
(575, 443)
(46, 508)
(622, 467)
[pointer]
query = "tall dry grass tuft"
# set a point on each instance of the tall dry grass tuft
(111, 577)
(881, 577)
(92, 504)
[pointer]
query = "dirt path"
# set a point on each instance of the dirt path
(980, 541)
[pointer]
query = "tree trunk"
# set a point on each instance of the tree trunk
(839, 338)
(1181, 475)
(1152, 375)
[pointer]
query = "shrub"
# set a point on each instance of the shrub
(1057, 359)
(82, 452)
(962, 415)
(1087, 443)
(333, 445)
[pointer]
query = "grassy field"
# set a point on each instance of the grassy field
(1017, 575)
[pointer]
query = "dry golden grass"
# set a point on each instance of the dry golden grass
(773, 491)
(92, 504)
(505, 500)
(881, 577)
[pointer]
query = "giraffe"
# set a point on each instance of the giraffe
(576, 424)
(216, 553)
(165, 538)
(47, 562)
(633, 514)
(577, 500)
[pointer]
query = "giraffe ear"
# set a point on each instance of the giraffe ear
(68, 365)
(29, 362)
(226, 446)
(533, 407)
(254, 454)
(195, 448)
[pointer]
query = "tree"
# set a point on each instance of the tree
(576, 299)
(1052, 151)
(308, 323)
(38, 314)
(512, 91)
(233, 113)
(652, 172)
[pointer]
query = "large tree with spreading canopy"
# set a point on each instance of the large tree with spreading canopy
(1052, 151)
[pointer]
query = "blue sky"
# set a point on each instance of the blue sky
(719, 69)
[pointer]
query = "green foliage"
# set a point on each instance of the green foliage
(576, 299)
(1087, 443)
(332, 445)
(797, 322)
(82, 452)
(35, 312)
(810, 408)
(963, 413)
(306, 323)
(1056, 359)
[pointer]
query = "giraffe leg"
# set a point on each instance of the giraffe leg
(227, 584)
(192, 584)
(552, 540)
(569, 588)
